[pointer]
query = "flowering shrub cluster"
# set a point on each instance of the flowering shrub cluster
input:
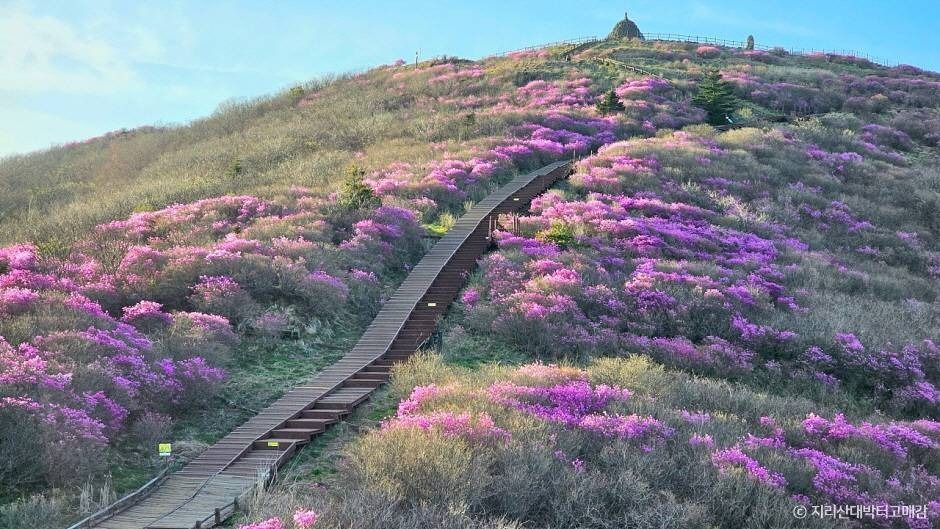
(708, 52)
(140, 317)
(651, 267)
(903, 479)
(553, 430)
(575, 403)
(302, 519)
(822, 90)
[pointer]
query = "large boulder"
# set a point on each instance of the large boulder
(626, 28)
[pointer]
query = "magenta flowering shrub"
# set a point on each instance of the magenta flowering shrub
(302, 519)
(223, 296)
(735, 458)
(271, 324)
(146, 315)
(816, 94)
(16, 300)
(392, 234)
(84, 387)
(886, 136)
(894, 437)
(905, 377)
(472, 427)
(551, 95)
(463, 425)
(454, 73)
(655, 104)
(708, 52)
(18, 257)
(577, 404)
(817, 452)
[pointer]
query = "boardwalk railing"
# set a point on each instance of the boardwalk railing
(632, 68)
(569, 42)
(121, 503)
(700, 39)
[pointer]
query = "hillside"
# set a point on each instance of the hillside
(743, 320)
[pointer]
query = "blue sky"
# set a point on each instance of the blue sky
(74, 69)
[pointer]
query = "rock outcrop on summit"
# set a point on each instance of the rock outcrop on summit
(626, 28)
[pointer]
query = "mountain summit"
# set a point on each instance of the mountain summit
(626, 28)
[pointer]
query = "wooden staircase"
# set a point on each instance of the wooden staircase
(209, 488)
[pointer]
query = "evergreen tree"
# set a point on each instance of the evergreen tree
(610, 104)
(716, 96)
(235, 169)
(355, 194)
(559, 233)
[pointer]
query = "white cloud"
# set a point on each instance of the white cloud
(40, 54)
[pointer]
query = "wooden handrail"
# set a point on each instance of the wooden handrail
(700, 39)
(121, 503)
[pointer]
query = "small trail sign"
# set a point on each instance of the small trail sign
(273, 444)
(165, 449)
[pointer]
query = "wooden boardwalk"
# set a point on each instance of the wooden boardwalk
(207, 490)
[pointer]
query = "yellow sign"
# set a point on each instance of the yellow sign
(273, 444)
(165, 449)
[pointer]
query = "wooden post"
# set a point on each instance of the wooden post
(218, 515)
(198, 525)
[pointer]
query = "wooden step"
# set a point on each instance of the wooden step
(318, 425)
(331, 408)
(363, 383)
(328, 415)
(266, 444)
(371, 375)
(303, 434)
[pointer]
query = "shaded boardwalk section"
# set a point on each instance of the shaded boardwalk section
(206, 491)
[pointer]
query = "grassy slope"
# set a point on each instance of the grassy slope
(372, 483)
(56, 196)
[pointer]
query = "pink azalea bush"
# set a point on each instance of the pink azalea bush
(302, 519)
(707, 52)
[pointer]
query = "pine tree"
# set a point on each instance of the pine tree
(610, 104)
(355, 194)
(234, 169)
(716, 96)
(559, 233)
